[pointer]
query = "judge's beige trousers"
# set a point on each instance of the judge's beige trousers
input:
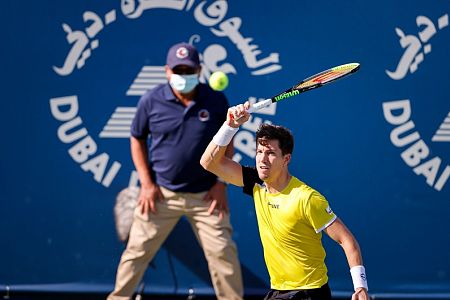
(149, 231)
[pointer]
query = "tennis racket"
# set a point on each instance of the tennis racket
(308, 84)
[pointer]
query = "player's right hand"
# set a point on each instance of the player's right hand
(238, 115)
(147, 198)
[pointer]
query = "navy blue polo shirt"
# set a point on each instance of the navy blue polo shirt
(179, 135)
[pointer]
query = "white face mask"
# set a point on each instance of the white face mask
(184, 83)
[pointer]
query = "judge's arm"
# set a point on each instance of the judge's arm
(150, 191)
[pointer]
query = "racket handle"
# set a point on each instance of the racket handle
(258, 105)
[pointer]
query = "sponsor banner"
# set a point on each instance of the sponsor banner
(376, 145)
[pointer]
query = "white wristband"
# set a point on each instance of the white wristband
(225, 134)
(359, 277)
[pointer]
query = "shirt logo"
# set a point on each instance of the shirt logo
(203, 115)
(276, 206)
(329, 210)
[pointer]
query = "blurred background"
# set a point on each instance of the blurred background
(376, 144)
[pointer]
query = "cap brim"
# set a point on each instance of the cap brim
(184, 63)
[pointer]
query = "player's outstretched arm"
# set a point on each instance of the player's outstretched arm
(342, 235)
(214, 158)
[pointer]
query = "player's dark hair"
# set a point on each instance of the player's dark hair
(283, 135)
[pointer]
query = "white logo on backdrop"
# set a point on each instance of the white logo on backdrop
(443, 133)
(416, 153)
(84, 149)
(416, 47)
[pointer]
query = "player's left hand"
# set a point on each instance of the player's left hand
(218, 197)
(360, 294)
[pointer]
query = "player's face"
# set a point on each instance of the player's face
(270, 162)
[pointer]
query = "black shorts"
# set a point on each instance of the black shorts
(322, 293)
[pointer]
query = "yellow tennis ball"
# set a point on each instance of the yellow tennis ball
(218, 81)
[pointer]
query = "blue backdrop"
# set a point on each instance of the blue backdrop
(375, 144)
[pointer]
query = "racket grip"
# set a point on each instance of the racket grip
(259, 105)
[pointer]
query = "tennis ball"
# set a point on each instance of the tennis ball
(218, 81)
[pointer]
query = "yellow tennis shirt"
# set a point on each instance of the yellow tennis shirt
(290, 225)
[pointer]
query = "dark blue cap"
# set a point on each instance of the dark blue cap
(183, 54)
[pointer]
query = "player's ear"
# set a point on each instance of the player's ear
(287, 159)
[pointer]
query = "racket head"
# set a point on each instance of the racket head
(318, 80)
(326, 77)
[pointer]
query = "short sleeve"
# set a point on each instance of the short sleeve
(139, 126)
(250, 178)
(318, 212)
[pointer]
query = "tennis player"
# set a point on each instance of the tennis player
(291, 215)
